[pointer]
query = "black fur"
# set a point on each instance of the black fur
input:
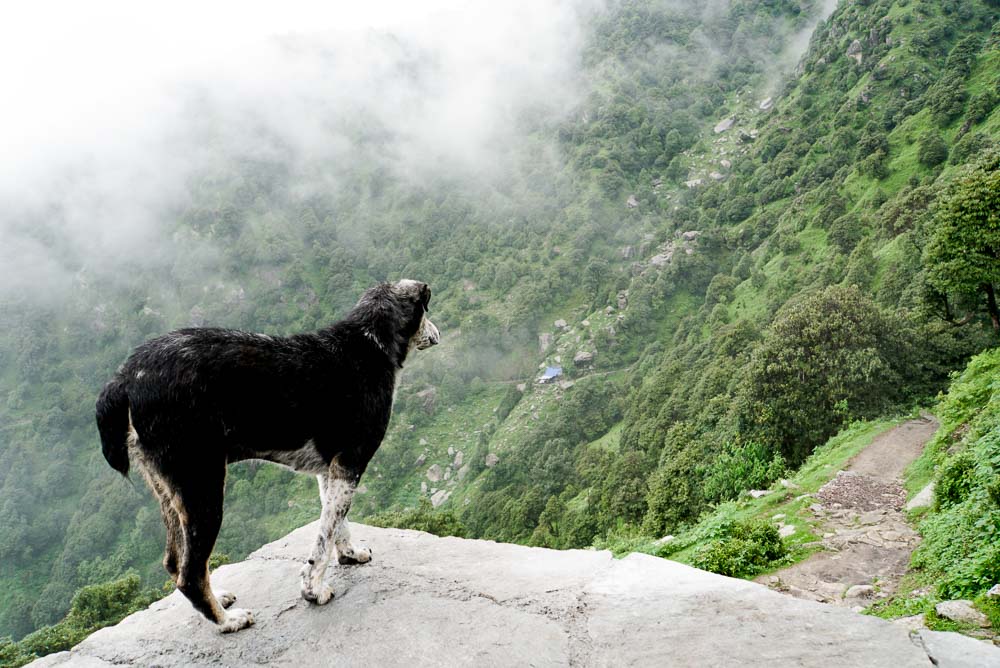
(199, 399)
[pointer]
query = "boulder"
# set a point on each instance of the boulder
(724, 125)
(765, 104)
(786, 531)
(961, 611)
(421, 459)
(457, 463)
(854, 51)
(429, 601)
(994, 591)
(560, 324)
(631, 202)
(922, 499)
(860, 591)
(439, 497)
(491, 460)
(434, 473)
(583, 357)
(428, 399)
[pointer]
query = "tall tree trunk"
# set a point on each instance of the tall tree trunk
(991, 304)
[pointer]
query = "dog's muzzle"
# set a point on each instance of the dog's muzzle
(429, 335)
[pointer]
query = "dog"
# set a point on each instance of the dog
(186, 404)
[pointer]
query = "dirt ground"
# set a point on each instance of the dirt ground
(866, 540)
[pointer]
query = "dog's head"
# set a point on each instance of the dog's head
(416, 298)
(394, 315)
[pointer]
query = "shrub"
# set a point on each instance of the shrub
(421, 518)
(955, 480)
(741, 467)
(745, 549)
(932, 150)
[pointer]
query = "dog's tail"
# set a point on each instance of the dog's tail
(113, 424)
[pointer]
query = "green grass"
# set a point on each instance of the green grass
(792, 502)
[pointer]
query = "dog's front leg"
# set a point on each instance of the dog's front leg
(336, 490)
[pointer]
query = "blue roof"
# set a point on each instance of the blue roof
(552, 372)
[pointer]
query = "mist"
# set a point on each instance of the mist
(115, 111)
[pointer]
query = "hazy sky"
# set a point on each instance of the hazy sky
(96, 123)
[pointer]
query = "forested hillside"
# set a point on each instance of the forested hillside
(730, 246)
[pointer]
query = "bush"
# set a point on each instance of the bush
(742, 467)
(93, 608)
(745, 549)
(961, 547)
(955, 481)
(421, 518)
(932, 150)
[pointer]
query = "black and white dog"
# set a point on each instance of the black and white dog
(187, 404)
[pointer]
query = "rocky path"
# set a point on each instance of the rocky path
(866, 539)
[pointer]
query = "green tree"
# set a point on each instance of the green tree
(829, 357)
(963, 257)
(932, 150)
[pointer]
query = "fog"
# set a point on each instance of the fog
(111, 108)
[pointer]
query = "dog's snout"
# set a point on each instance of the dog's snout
(433, 334)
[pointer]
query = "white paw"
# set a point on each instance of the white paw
(236, 619)
(319, 595)
(354, 555)
(226, 598)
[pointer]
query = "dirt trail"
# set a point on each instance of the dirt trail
(866, 540)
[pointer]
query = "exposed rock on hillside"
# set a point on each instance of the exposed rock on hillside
(427, 601)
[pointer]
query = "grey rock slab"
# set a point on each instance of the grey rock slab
(923, 498)
(961, 610)
(428, 601)
(953, 650)
(675, 615)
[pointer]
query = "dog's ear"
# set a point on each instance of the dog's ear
(425, 296)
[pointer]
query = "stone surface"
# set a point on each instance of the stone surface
(961, 611)
(953, 650)
(427, 601)
(923, 498)
(860, 591)
(994, 591)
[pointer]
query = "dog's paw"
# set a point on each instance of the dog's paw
(225, 598)
(354, 555)
(236, 619)
(319, 595)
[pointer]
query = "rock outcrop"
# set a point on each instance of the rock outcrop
(428, 601)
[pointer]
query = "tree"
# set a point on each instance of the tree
(829, 357)
(963, 257)
(932, 151)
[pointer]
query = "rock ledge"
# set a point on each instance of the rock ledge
(428, 601)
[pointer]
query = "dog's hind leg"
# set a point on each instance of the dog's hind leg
(336, 492)
(171, 520)
(198, 501)
(347, 552)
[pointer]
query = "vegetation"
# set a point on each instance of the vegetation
(93, 607)
(838, 270)
(961, 547)
(743, 549)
